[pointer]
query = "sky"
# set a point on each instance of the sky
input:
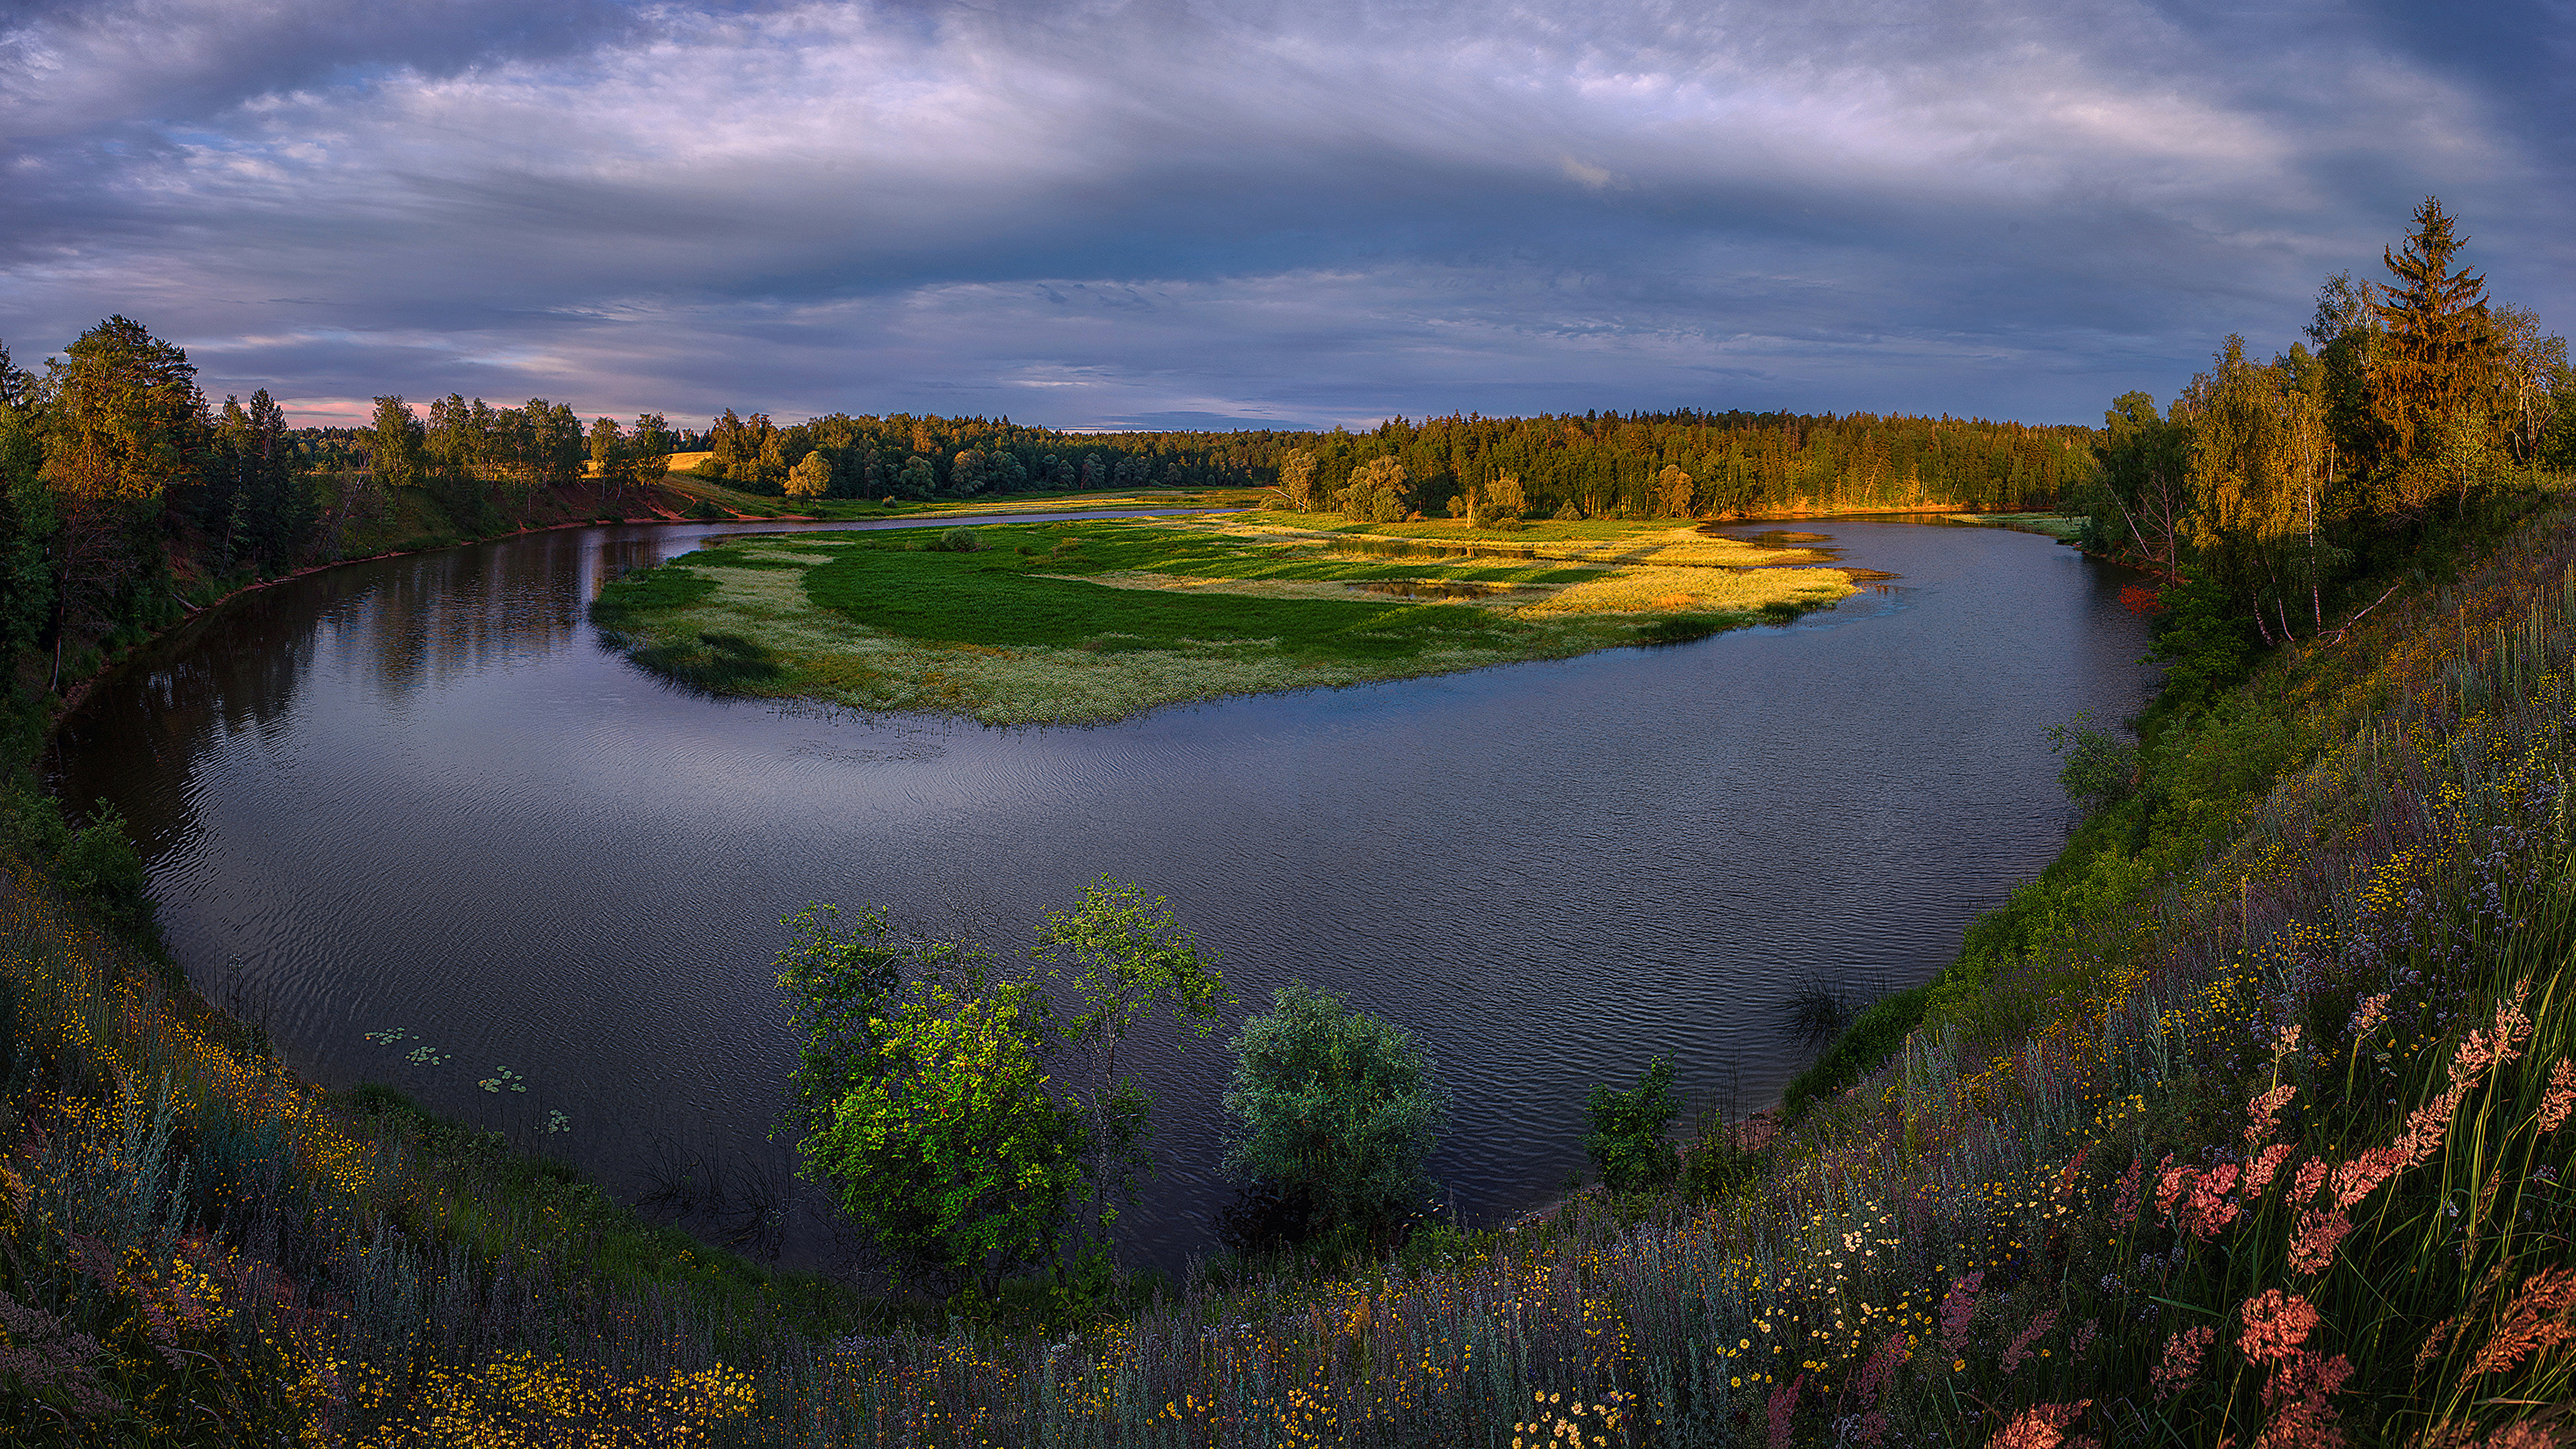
(1253, 214)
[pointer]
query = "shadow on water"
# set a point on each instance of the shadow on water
(423, 795)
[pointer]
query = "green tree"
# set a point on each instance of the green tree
(652, 444)
(126, 419)
(1124, 958)
(612, 455)
(2530, 360)
(2139, 500)
(124, 425)
(2257, 478)
(925, 1092)
(921, 1095)
(811, 477)
(271, 510)
(1335, 1108)
(394, 444)
(956, 1152)
(2435, 376)
(2100, 769)
(1297, 480)
(27, 519)
(1674, 491)
(1376, 492)
(1627, 1143)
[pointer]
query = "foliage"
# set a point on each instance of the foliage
(1335, 1106)
(926, 1090)
(811, 477)
(1122, 957)
(2266, 485)
(1627, 1143)
(955, 1152)
(2100, 767)
(840, 982)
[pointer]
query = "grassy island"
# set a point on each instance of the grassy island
(1086, 621)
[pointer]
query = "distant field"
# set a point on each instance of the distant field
(1085, 621)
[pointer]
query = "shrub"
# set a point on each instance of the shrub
(1335, 1107)
(959, 540)
(2101, 768)
(1627, 1142)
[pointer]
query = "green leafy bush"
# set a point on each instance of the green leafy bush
(2101, 768)
(1627, 1143)
(1335, 1106)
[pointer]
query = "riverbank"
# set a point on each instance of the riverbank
(1087, 622)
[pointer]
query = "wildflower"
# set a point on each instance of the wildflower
(2320, 1233)
(2125, 1209)
(2312, 1175)
(2426, 1125)
(2171, 1182)
(2277, 1326)
(2296, 1394)
(2181, 1361)
(2371, 1013)
(1957, 1307)
(2041, 1426)
(2210, 1209)
(2020, 1347)
(2561, 1096)
(2263, 1112)
(43, 1352)
(1784, 1411)
(1882, 1362)
(2358, 1178)
(2276, 1323)
(2259, 1172)
(2285, 1041)
(2433, 1342)
(2542, 1316)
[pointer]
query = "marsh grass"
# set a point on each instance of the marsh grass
(1082, 622)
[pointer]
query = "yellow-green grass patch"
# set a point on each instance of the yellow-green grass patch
(1696, 590)
(1072, 622)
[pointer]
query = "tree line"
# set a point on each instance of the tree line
(1636, 465)
(2412, 404)
(1682, 465)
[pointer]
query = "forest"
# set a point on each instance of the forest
(1598, 465)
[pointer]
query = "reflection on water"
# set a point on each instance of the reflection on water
(419, 794)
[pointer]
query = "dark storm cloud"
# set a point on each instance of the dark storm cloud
(1122, 212)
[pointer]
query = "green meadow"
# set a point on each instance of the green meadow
(1085, 621)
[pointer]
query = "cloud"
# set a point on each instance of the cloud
(1082, 214)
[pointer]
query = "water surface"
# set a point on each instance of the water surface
(420, 794)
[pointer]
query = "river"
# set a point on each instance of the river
(418, 795)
